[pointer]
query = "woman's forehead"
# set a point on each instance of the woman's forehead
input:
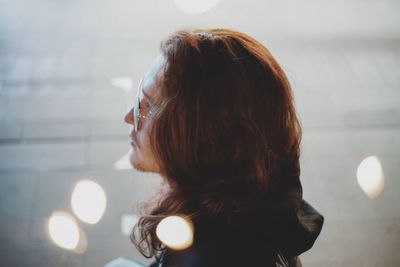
(154, 73)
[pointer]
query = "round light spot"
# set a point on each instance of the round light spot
(195, 6)
(370, 176)
(63, 230)
(88, 201)
(175, 232)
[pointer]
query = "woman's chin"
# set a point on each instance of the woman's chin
(139, 163)
(133, 157)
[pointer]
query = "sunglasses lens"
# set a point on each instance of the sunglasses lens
(136, 108)
(136, 115)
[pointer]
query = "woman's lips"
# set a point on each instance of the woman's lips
(133, 143)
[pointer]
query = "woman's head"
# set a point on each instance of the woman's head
(140, 117)
(223, 127)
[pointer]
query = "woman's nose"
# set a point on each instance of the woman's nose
(129, 117)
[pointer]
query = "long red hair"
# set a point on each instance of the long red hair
(224, 130)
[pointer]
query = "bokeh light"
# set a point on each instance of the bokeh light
(125, 83)
(370, 176)
(88, 201)
(63, 230)
(175, 232)
(124, 162)
(195, 6)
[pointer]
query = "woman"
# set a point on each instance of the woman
(215, 118)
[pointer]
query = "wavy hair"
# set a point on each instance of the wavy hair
(225, 130)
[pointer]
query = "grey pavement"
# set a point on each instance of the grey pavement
(61, 119)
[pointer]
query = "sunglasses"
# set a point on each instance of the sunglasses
(137, 109)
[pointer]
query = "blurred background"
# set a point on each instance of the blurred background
(69, 71)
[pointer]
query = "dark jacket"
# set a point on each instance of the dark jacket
(283, 227)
